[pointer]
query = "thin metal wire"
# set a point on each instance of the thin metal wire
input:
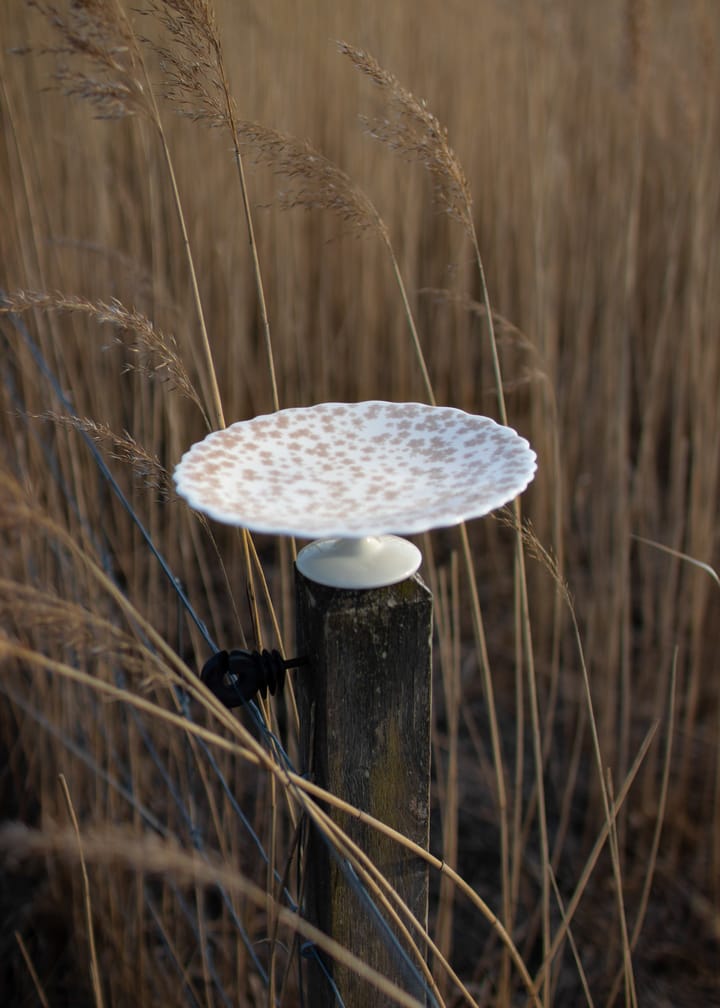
(308, 950)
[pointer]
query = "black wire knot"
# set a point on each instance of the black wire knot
(237, 676)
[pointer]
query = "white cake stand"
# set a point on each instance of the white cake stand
(351, 474)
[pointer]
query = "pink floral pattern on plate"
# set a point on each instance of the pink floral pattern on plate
(355, 469)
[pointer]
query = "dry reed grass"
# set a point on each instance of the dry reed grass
(577, 764)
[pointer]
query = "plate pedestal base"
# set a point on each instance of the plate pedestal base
(369, 562)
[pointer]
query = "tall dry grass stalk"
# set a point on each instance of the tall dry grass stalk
(197, 83)
(584, 140)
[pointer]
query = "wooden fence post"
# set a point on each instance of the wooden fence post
(365, 723)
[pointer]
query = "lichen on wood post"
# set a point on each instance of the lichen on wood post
(365, 709)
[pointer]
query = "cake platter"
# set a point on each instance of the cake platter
(355, 478)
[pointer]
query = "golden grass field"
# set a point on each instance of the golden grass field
(576, 736)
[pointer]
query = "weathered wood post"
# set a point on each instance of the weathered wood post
(365, 711)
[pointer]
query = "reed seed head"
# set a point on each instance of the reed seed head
(315, 182)
(156, 350)
(413, 131)
(96, 56)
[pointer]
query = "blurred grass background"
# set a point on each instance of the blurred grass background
(590, 137)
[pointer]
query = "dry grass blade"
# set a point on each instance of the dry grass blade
(190, 66)
(64, 625)
(442, 295)
(591, 862)
(571, 939)
(164, 667)
(145, 466)
(319, 184)
(198, 84)
(100, 31)
(157, 351)
(316, 182)
(681, 556)
(627, 965)
(94, 969)
(11, 650)
(653, 854)
(18, 512)
(120, 848)
(414, 132)
(96, 34)
(391, 904)
(42, 997)
(301, 784)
